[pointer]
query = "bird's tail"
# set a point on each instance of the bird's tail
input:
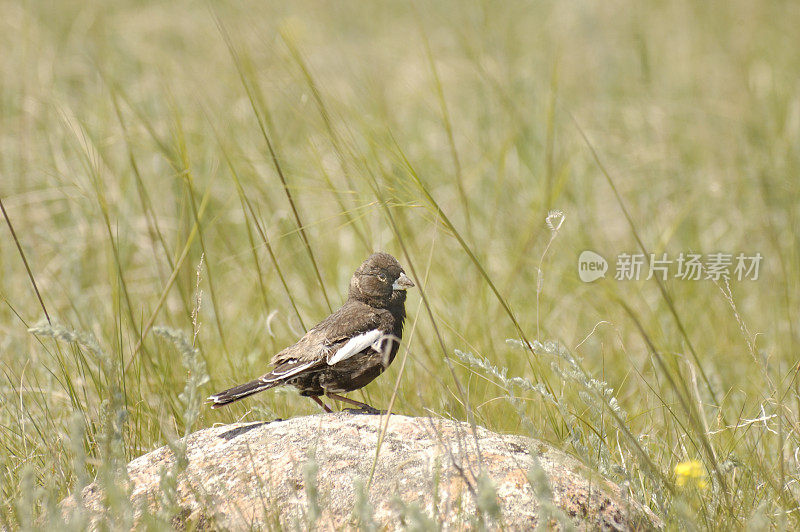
(239, 392)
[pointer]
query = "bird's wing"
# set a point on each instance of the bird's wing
(354, 345)
(341, 332)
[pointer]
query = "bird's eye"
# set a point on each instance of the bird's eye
(382, 277)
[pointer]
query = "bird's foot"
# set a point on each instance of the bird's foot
(365, 409)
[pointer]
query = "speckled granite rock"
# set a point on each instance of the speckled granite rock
(429, 471)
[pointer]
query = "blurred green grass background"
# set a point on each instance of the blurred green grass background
(134, 140)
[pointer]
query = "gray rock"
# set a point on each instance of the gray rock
(429, 473)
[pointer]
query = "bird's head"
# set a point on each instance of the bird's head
(380, 282)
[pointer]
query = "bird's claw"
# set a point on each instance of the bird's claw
(366, 409)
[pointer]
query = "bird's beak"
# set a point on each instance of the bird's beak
(402, 283)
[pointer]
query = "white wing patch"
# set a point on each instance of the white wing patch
(289, 372)
(355, 345)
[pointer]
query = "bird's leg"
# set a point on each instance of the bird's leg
(320, 403)
(362, 406)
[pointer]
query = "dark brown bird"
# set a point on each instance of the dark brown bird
(349, 348)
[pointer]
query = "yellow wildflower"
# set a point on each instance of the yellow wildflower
(691, 473)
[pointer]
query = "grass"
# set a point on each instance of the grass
(282, 143)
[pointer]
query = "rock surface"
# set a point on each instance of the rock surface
(428, 473)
